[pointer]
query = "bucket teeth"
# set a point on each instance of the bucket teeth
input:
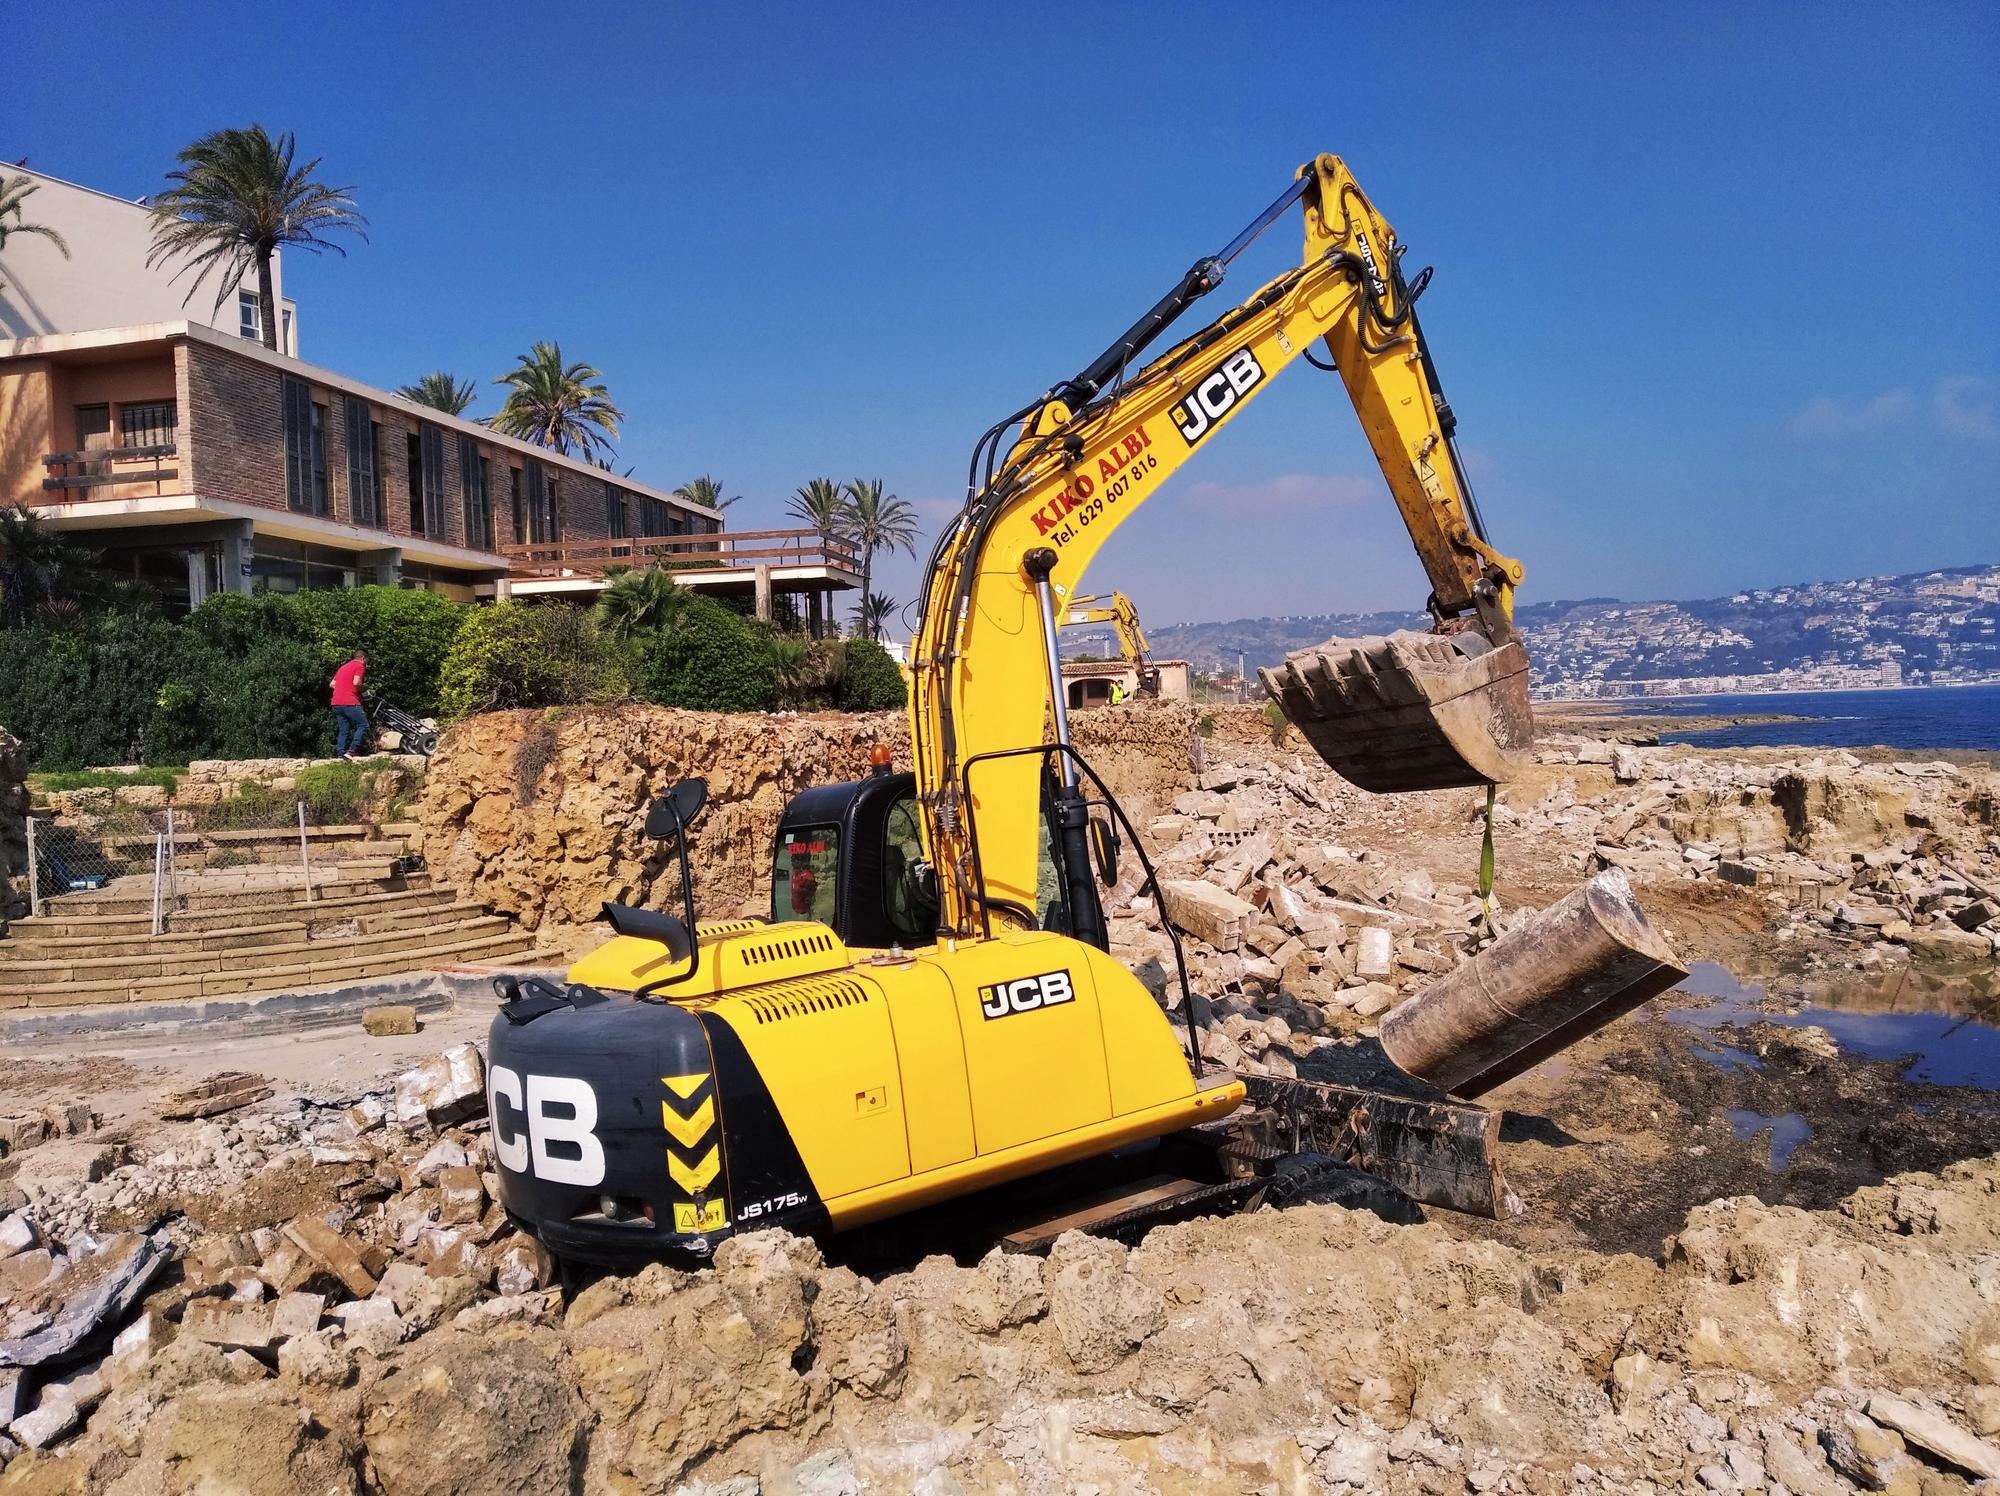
(1410, 711)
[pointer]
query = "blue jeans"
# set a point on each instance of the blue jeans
(350, 727)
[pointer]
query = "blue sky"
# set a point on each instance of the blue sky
(1715, 297)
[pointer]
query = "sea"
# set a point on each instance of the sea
(1912, 718)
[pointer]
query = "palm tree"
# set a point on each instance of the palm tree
(791, 662)
(640, 602)
(879, 522)
(705, 491)
(441, 391)
(13, 191)
(40, 567)
(871, 613)
(236, 198)
(821, 504)
(557, 405)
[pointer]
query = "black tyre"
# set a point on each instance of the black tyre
(426, 743)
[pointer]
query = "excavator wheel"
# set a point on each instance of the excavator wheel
(1410, 711)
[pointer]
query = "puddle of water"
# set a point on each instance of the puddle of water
(1949, 1028)
(1787, 1132)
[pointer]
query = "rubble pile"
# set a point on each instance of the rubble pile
(1875, 855)
(400, 1339)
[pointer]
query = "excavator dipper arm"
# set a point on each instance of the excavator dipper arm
(1092, 450)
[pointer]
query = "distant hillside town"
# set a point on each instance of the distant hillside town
(1927, 628)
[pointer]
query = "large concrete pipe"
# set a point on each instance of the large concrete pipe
(1583, 961)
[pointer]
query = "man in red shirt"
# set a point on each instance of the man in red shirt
(350, 722)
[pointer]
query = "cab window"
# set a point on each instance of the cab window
(909, 902)
(803, 881)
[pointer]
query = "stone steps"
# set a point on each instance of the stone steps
(103, 926)
(220, 935)
(346, 877)
(352, 962)
(88, 969)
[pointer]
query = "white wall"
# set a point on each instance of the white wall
(104, 282)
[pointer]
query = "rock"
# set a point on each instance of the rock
(319, 1359)
(372, 1325)
(51, 1421)
(1792, 1467)
(17, 1234)
(1373, 999)
(477, 1413)
(332, 1252)
(1627, 766)
(1374, 952)
(13, 1395)
(1937, 1434)
(1863, 1451)
(24, 1272)
(229, 1326)
(1100, 1312)
(365, 1115)
(1982, 1406)
(296, 1315)
(462, 1196)
(119, 1272)
(386, 1019)
(1946, 942)
(523, 1266)
(253, 1438)
(1003, 1291)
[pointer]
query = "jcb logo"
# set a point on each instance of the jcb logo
(1025, 994)
(1216, 395)
(546, 1127)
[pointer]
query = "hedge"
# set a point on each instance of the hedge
(871, 681)
(522, 655)
(709, 660)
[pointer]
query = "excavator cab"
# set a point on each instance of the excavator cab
(851, 857)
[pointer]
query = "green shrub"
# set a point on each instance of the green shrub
(405, 632)
(271, 703)
(234, 621)
(167, 778)
(518, 655)
(334, 792)
(870, 680)
(709, 661)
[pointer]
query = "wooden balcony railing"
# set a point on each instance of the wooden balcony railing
(73, 474)
(737, 550)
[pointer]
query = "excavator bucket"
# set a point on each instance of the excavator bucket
(1410, 711)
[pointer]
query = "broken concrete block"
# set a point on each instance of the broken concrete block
(47, 1424)
(386, 1019)
(1374, 952)
(365, 1115)
(26, 1271)
(82, 1390)
(522, 1266)
(230, 1326)
(296, 1314)
(17, 1234)
(401, 1282)
(372, 1325)
(333, 1252)
(20, 1133)
(1627, 766)
(1206, 912)
(463, 1197)
(446, 1088)
(13, 1395)
(1375, 998)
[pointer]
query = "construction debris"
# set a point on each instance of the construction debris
(226, 1092)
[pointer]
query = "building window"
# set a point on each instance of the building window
(472, 473)
(148, 425)
(614, 511)
(93, 428)
(249, 321)
(279, 565)
(514, 505)
(305, 449)
(364, 464)
(544, 522)
(285, 343)
(413, 453)
(435, 521)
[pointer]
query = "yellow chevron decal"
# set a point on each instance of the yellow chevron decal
(687, 1131)
(683, 1086)
(699, 1176)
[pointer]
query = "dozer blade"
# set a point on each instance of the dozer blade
(1410, 711)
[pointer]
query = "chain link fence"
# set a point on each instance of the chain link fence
(165, 861)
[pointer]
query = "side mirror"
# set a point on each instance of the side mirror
(1104, 847)
(675, 811)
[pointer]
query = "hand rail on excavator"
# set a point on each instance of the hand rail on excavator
(1408, 712)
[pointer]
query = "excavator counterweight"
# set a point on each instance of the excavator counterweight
(1410, 711)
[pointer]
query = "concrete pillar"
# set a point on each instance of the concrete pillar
(764, 592)
(383, 568)
(238, 545)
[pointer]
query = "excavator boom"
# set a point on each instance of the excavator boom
(1410, 712)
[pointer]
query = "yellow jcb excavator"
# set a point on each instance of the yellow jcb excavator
(931, 1008)
(1116, 609)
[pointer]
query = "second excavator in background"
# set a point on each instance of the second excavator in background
(1116, 609)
